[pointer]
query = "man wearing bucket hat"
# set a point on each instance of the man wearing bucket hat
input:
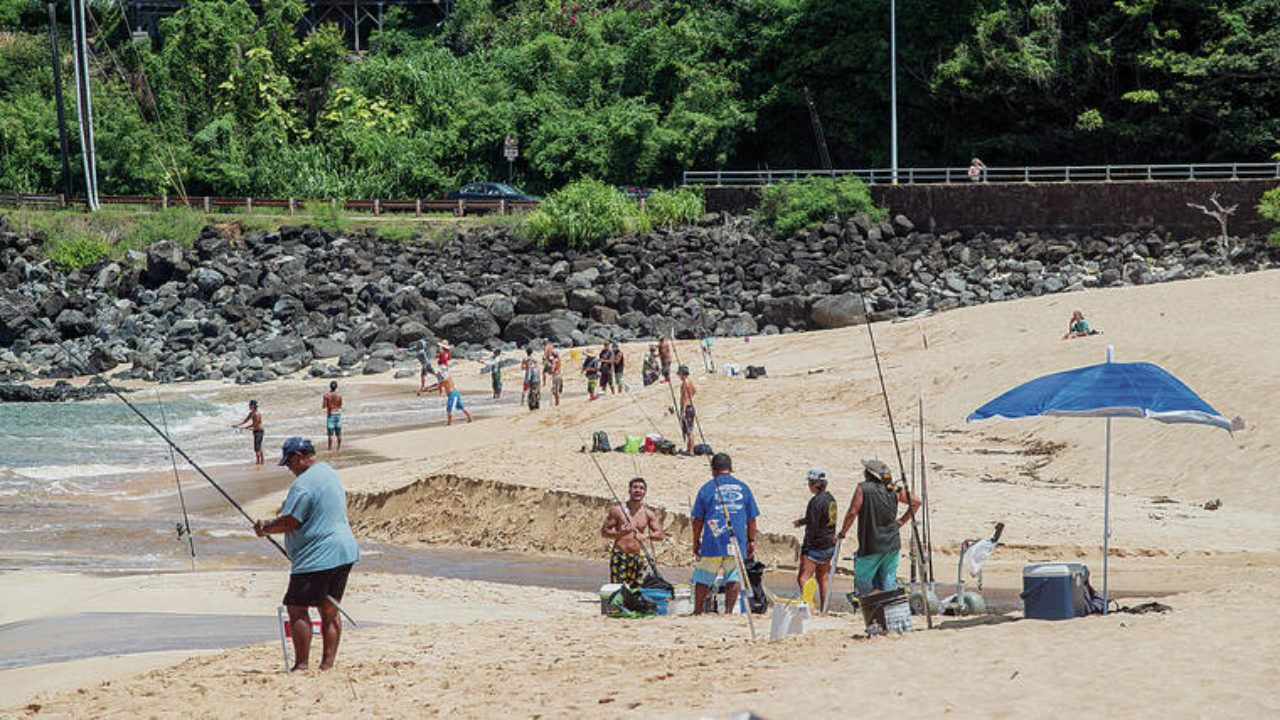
(875, 507)
(819, 546)
(321, 548)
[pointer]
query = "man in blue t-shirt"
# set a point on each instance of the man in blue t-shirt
(712, 536)
(321, 548)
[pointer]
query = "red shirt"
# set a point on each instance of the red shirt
(442, 358)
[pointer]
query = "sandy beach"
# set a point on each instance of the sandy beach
(519, 481)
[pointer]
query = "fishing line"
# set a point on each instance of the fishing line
(174, 446)
(185, 527)
(697, 423)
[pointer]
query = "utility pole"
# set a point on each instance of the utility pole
(84, 102)
(818, 135)
(893, 89)
(62, 115)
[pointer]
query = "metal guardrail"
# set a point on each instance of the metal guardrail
(211, 204)
(1021, 174)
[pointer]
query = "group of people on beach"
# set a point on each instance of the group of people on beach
(723, 530)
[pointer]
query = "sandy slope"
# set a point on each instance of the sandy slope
(1211, 656)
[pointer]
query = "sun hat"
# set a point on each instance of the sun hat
(878, 469)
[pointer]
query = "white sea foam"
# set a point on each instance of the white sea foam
(79, 470)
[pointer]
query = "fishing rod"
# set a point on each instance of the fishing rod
(185, 527)
(174, 447)
(653, 563)
(924, 499)
(897, 449)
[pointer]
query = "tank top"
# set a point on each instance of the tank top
(877, 520)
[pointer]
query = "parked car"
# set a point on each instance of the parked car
(488, 191)
(633, 193)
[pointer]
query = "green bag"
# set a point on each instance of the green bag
(633, 444)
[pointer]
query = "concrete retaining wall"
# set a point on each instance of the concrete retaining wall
(1114, 207)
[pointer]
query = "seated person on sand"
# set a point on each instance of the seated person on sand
(628, 532)
(1078, 327)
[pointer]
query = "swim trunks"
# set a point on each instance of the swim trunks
(875, 572)
(257, 440)
(707, 569)
(557, 384)
(310, 589)
(687, 421)
(625, 568)
(333, 424)
(454, 402)
(497, 381)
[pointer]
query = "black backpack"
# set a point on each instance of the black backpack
(665, 446)
(702, 449)
(755, 574)
(755, 371)
(600, 442)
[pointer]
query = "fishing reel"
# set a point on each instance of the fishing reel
(182, 529)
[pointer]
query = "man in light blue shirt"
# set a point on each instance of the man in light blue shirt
(722, 495)
(321, 548)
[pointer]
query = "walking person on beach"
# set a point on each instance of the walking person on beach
(420, 349)
(454, 401)
(875, 507)
(664, 356)
(253, 421)
(591, 369)
(713, 557)
(532, 383)
(628, 532)
(321, 549)
(549, 353)
(444, 355)
(497, 374)
(619, 363)
(556, 371)
(332, 404)
(606, 369)
(819, 546)
(649, 370)
(688, 416)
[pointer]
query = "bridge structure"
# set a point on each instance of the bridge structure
(358, 19)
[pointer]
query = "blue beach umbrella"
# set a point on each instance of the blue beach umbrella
(1112, 389)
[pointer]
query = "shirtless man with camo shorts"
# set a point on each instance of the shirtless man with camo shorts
(625, 563)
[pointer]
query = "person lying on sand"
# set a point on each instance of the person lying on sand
(1078, 327)
(321, 549)
(628, 532)
(819, 546)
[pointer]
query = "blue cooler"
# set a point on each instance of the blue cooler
(1054, 591)
(659, 598)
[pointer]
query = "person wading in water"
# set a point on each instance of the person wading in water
(253, 421)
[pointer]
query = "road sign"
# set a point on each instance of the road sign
(511, 148)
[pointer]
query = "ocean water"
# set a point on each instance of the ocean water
(88, 485)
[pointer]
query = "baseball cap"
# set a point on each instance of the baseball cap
(878, 468)
(295, 445)
(682, 370)
(816, 475)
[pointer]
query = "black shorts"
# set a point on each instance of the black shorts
(311, 589)
(257, 440)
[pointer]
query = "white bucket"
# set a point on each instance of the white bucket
(682, 603)
(790, 617)
(897, 617)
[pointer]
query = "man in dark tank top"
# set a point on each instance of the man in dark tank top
(875, 507)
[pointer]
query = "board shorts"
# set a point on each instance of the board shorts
(333, 424)
(707, 569)
(497, 382)
(310, 589)
(454, 402)
(666, 369)
(591, 386)
(557, 384)
(687, 421)
(535, 397)
(875, 572)
(821, 557)
(606, 378)
(625, 568)
(257, 440)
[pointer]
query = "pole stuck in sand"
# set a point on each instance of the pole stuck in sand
(185, 527)
(897, 449)
(174, 447)
(746, 592)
